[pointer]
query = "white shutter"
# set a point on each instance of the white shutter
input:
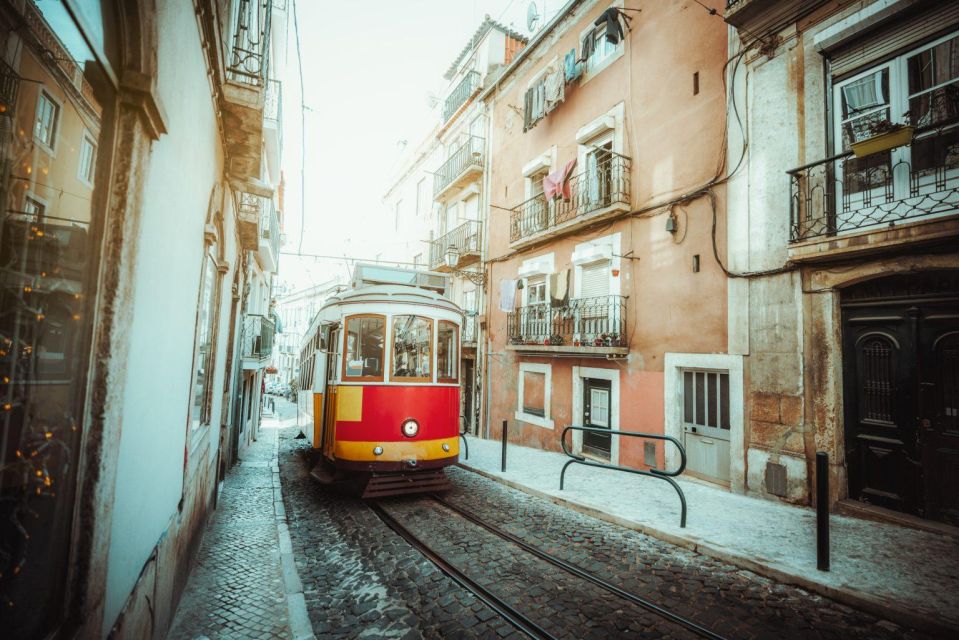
(595, 281)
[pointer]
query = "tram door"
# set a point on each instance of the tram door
(319, 395)
(329, 407)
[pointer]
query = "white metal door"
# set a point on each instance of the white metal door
(706, 424)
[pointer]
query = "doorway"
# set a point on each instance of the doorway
(597, 400)
(467, 388)
(706, 424)
(901, 393)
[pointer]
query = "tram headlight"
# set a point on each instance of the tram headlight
(410, 427)
(446, 447)
(377, 451)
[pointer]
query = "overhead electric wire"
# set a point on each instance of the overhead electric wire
(317, 256)
(299, 68)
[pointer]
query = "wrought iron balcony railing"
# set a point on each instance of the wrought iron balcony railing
(600, 186)
(463, 92)
(250, 49)
(469, 330)
(9, 87)
(842, 193)
(465, 239)
(258, 334)
(583, 322)
(270, 227)
(467, 156)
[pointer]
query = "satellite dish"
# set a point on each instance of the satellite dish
(532, 17)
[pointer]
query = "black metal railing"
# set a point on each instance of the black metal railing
(843, 193)
(605, 184)
(464, 239)
(463, 92)
(249, 52)
(258, 334)
(582, 322)
(467, 156)
(652, 473)
(9, 87)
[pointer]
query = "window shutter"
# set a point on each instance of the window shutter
(527, 109)
(884, 42)
(595, 281)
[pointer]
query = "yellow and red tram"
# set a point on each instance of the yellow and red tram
(379, 388)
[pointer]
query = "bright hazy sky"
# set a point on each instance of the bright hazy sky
(369, 68)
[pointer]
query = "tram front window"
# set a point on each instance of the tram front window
(412, 348)
(447, 357)
(364, 347)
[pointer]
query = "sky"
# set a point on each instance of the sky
(369, 69)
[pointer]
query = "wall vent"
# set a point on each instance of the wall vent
(776, 479)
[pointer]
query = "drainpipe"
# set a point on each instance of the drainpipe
(482, 336)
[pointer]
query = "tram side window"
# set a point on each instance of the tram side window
(412, 348)
(364, 347)
(447, 358)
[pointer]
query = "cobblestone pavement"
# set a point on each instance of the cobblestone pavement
(236, 588)
(362, 581)
(731, 601)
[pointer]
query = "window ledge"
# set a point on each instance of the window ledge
(592, 73)
(529, 418)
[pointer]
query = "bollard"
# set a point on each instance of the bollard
(822, 511)
(504, 447)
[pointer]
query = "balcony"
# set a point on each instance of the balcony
(257, 340)
(460, 168)
(598, 192)
(465, 90)
(761, 17)
(249, 210)
(273, 125)
(465, 240)
(243, 89)
(9, 87)
(268, 248)
(585, 327)
(843, 204)
(470, 331)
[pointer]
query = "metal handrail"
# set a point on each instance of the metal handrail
(467, 155)
(652, 473)
(466, 238)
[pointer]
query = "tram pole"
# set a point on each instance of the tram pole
(503, 467)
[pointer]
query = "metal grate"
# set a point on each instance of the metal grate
(776, 479)
(877, 383)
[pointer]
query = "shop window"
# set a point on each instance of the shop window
(412, 349)
(447, 352)
(364, 348)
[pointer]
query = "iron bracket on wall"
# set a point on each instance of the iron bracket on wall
(652, 473)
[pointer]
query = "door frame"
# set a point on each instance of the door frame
(579, 386)
(675, 364)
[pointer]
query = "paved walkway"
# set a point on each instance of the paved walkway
(244, 584)
(906, 575)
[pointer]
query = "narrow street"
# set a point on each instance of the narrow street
(362, 580)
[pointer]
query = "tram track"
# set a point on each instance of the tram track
(509, 613)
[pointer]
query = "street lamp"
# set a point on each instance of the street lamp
(452, 256)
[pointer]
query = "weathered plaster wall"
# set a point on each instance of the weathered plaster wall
(185, 164)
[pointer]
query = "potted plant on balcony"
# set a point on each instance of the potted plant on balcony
(556, 339)
(882, 135)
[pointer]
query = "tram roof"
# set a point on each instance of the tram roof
(392, 293)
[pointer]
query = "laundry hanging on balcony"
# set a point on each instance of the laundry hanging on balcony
(614, 20)
(557, 184)
(534, 105)
(559, 289)
(555, 88)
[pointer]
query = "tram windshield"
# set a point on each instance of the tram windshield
(364, 347)
(446, 357)
(412, 348)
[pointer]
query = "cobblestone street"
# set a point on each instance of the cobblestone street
(362, 580)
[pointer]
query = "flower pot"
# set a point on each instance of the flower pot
(898, 137)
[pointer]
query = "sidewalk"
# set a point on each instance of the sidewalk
(244, 584)
(906, 575)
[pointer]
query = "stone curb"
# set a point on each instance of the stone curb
(299, 617)
(927, 621)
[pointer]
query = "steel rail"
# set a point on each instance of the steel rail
(582, 573)
(508, 613)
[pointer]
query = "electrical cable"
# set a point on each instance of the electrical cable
(299, 68)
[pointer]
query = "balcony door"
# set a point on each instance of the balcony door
(592, 308)
(920, 88)
(599, 179)
(536, 310)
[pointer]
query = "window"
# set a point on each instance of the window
(603, 50)
(536, 289)
(88, 152)
(417, 260)
(706, 400)
(447, 352)
(33, 207)
(48, 115)
(364, 348)
(203, 355)
(599, 167)
(533, 394)
(412, 348)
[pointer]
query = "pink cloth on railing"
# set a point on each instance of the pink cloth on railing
(557, 183)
